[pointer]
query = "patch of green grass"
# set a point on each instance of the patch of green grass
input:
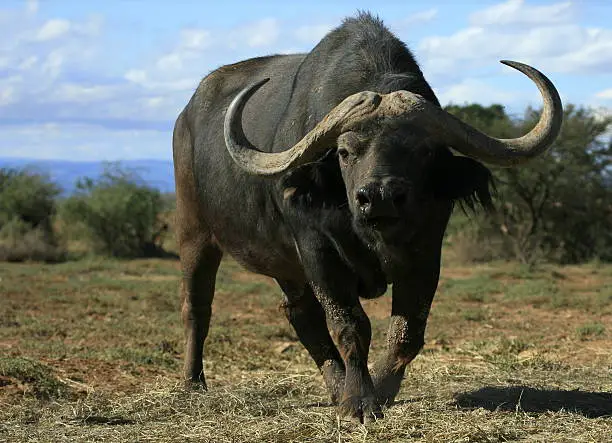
(535, 291)
(545, 293)
(518, 271)
(512, 345)
(37, 379)
(475, 315)
(602, 302)
(477, 288)
(138, 356)
(503, 352)
(590, 330)
(564, 299)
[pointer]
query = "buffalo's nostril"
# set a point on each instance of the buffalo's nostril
(363, 198)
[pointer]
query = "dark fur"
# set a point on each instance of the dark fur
(302, 228)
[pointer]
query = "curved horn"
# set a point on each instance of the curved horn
(369, 107)
(508, 152)
(308, 149)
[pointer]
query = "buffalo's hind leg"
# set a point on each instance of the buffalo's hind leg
(199, 263)
(307, 317)
(199, 252)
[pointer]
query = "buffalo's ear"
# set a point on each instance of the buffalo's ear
(465, 180)
(317, 184)
(298, 185)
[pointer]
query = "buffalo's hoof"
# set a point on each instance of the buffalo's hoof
(364, 409)
(197, 384)
(333, 375)
(387, 388)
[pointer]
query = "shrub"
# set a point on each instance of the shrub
(556, 207)
(27, 208)
(20, 242)
(118, 212)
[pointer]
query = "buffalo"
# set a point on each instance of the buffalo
(332, 173)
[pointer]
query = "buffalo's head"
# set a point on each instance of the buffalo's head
(398, 177)
(393, 153)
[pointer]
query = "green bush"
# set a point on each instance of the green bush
(554, 208)
(117, 212)
(27, 208)
(27, 195)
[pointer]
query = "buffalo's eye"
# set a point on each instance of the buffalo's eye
(343, 153)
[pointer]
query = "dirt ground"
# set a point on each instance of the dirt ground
(91, 350)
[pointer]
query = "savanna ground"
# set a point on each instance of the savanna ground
(91, 351)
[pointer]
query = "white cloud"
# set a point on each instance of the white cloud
(32, 7)
(57, 75)
(77, 93)
(192, 43)
(53, 63)
(92, 26)
(419, 17)
(516, 12)
(10, 90)
(28, 62)
(606, 94)
(155, 102)
(155, 82)
(476, 91)
(550, 40)
(5, 62)
(53, 29)
(258, 34)
(591, 54)
(83, 142)
(60, 28)
(565, 48)
(136, 76)
(196, 39)
(7, 96)
(311, 34)
(172, 61)
(199, 50)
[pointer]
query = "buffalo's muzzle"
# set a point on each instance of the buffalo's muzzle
(381, 203)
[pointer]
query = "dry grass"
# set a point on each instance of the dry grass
(91, 351)
(32, 245)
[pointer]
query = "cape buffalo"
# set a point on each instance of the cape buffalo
(336, 179)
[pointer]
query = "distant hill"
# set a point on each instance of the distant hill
(156, 173)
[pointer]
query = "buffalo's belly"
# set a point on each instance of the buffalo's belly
(264, 255)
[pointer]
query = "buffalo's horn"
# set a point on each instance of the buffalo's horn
(396, 107)
(358, 107)
(400, 107)
(507, 152)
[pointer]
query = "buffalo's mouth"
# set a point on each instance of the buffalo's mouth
(383, 223)
(381, 228)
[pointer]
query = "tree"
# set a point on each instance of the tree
(557, 206)
(28, 196)
(27, 207)
(119, 213)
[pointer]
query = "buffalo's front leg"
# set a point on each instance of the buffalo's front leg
(307, 317)
(335, 286)
(412, 297)
(351, 327)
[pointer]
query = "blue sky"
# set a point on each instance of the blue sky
(105, 80)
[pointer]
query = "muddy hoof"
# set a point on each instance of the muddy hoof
(198, 384)
(386, 390)
(333, 375)
(364, 409)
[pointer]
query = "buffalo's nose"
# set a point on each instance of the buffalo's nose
(376, 200)
(364, 197)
